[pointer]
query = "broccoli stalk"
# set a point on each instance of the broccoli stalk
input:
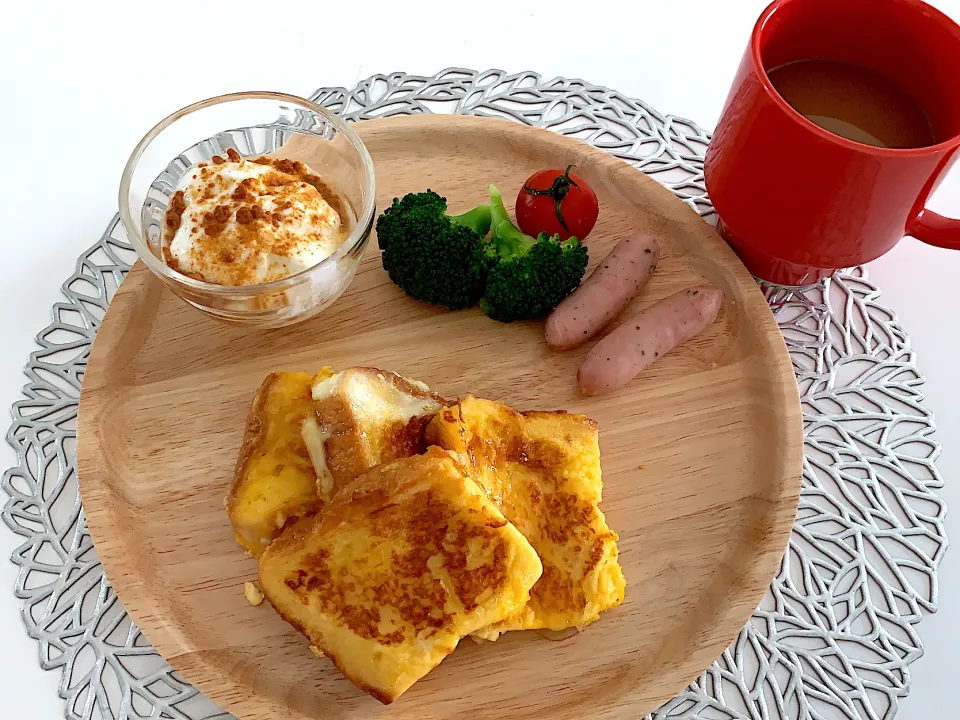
(507, 237)
(433, 257)
(533, 274)
(477, 220)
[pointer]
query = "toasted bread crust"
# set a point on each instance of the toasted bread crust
(405, 561)
(546, 414)
(542, 469)
(316, 641)
(250, 531)
(253, 433)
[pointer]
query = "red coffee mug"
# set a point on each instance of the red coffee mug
(797, 202)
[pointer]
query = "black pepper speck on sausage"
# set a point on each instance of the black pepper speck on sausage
(656, 331)
(603, 295)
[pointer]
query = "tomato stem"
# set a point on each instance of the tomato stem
(558, 191)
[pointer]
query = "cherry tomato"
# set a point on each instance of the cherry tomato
(557, 202)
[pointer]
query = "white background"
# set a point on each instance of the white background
(80, 83)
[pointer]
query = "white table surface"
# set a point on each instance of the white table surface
(81, 82)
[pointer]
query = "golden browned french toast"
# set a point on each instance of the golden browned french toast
(274, 481)
(365, 417)
(542, 470)
(402, 563)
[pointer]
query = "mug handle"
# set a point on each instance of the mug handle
(935, 229)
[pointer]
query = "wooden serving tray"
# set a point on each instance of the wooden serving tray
(701, 454)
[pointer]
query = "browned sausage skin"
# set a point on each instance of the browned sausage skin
(603, 295)
(625, 352)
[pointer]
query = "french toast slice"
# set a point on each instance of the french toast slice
(401, 564)
(365, 417)
(274, 480)
(542, 470)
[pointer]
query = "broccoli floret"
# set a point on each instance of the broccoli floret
(533, 274)
(432, 256)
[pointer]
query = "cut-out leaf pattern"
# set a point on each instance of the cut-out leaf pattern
(835, 633)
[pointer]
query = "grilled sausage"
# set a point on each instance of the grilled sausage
(603, 295)
(625, 352)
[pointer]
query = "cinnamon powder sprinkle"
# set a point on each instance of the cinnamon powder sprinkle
(279, 213)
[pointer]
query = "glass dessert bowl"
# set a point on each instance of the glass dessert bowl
(260, 224)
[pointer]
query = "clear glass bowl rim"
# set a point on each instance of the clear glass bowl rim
(158, 267)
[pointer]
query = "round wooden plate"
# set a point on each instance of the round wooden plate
(701, 454)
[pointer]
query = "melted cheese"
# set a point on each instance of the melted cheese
(315, 438)
(374, 397)
(366, 417)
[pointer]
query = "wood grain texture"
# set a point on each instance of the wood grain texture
(701, 454)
